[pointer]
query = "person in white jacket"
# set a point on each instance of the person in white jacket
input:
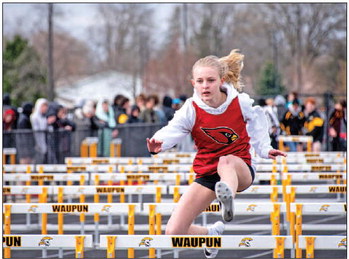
(226, 129)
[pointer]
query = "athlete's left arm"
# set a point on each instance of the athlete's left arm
(257, 128)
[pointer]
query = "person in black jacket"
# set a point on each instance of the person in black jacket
(314, 124)
(134, 116)
(66, 127)
(292, 124)
(167, 108)
(24, 137)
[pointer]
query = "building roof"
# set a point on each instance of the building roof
(104, 85)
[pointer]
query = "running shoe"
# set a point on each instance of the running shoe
(226, 201)
(215, 230)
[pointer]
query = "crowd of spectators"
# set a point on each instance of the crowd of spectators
(294, 116)
(45, 127)
(51, 123)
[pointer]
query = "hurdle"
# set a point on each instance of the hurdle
(272, 190)
(47, 242)
(311, 243)
(102, 209)
(115, 147)
(240, 208)
(11, 153)
(297, 210)
(88, 147)
(186, 160)
(174, 168)
(175, 155)
(293, 138)
(276, 243)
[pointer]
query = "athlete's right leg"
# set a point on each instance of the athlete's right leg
(196, 199)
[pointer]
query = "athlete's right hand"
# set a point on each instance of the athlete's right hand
(154, 146)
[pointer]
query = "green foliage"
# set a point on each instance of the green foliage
(270, 81)
(24, 76)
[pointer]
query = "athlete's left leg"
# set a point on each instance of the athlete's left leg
(235, 176)
(234, 172)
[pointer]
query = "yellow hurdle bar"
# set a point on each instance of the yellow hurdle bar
(93, 150)
(84, 149)
(176, 194)
(131, 228)
(111, 246)
(309, 247)
(79, 246)
(110, 183)
(96, 200)
(274, 194)
(43, 199)
(7, 229)
(152, 227)
(298, 229)
(27, 196)
(279, 250)
(275, 220)
(158, 195)
(60, 215)
(309, 145)
(82, 198)
(191, 179)
(122, 182)
(12, 159)
(41, 171)
(178, 179)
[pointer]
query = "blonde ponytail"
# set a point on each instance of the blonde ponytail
(233, 63)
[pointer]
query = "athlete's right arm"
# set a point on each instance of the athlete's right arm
(179, 127)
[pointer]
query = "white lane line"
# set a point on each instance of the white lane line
(258, 255)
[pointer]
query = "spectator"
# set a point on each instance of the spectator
(314, 124)
(140, 102)
(8, 124)
(25, 140)
(6, 104)
(122, 110)
(149, 115)
(39, 125)
(134, 116)
(338, 126)
(280, 103)
(274, 126)
(167, 108)
(290, 98)
(292, 124)
(68, 127)
(176, 104)
(52, 134)
(105, 114)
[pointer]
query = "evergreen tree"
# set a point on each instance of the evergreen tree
(270, 81)
(24, 76)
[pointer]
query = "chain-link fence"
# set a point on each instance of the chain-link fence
(52, 147)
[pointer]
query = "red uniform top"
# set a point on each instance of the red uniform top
(219, 135)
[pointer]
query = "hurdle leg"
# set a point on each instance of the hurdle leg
(152, 227)
(44, 252)
(7, 228)
(131, 230)
(79, 246)
(309, 247)
(111, 246)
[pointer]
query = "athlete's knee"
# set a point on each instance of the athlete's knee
(172, 229)
(228, 160)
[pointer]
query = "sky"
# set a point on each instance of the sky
(25, 17)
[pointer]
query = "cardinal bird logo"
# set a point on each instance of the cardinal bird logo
(222, 135)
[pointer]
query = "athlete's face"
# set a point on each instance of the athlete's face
(207, 82)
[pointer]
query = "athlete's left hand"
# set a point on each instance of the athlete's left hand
(275, 152)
